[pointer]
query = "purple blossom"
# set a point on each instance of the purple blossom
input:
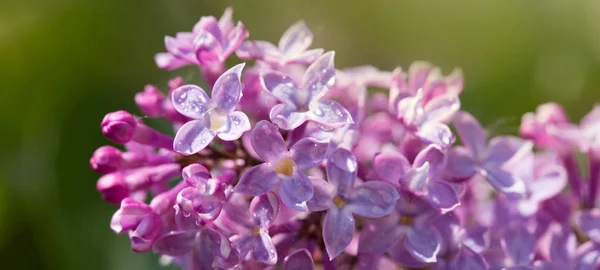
(281, 166)
(342, 200)
(292, 48)
(301, 103)
(140, 220)
(299, 260)
(216, 117)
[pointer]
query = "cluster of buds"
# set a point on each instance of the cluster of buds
(290, 163)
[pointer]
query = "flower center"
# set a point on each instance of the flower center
(256, 231)
(217, 118)
(285, 166)
(340, 202)
(407, 220)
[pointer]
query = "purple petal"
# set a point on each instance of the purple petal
(441, 109)
(264, 250)
(287, 117)
(436, 133)
(168, 62)
(175, 243)
(296, 190)
(237, 124)
(417, 180)
(299, 260)
(306, 57)
(338, 229)
(319, 76)
(470, 132)
(442, 196)
(323, 195)
(558, 244)
(519, 245)
(329, 113)
(423, 243)
(194, 199)
(587, 257)
(179, 48)
(193, 137)
(467, 259)
(391, 166)
(267, 141)
(227, 90)
(501, 149)
(264, 209)
(234, 39)
(461, 164)
(373, 199)
(129, 216)
(435, 156)
(308, 153)
(477, 238)
(195, 174)
(190, 100)
(550, 181)
(281, 86)
(207, 48)
(418, 73)
(257, 181)
(589, 222)
(502, 180)
(377, 236)
(258, 49)
(295, 39)
(399, 253)
(342, 168)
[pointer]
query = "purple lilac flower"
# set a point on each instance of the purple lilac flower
(475, 157)
(281, 166)
(292, 48)
(423, 178)
(216, 117)
(301, 103)
(342, 200)
(397, 193)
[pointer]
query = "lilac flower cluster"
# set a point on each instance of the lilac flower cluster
(290, 163)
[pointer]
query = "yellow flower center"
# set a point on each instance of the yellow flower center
(406, 220)
(218, 118)
(340, 202)
(285, 166)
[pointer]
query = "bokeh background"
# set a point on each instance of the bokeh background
(65, 63)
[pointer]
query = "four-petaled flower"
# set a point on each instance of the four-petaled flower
(301, 103)
(216, 117)
(281, 166)
(292, 48)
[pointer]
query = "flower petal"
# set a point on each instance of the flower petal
(180, 48)
(287, 117)
(296, 190)
(589, 222)
(237, 124)
(305, 58)
(295, 39)
(281, 86)
(322, 198)
(551, 180)
(264, 251)
(168, 62)
(319, 76)
(329, 113)
(461, 164)
(338, 229)
(436, 133)
(435, 156)
(379, 235)
(468, 259)
(373, 199)
(423, 243)
(264, 209)
(176, 243)
(190, 100)
(558, 244)
(258, 50)
(308, 153)
(227, 90)
(299, 260)
(587, 257)
(441, 109)
(207, 48)
(234, 39)
(391, 166)
(502, 180)
(257, 181)
(399, 253)
(471, 134)
(193, 137)
(341, 169)
(500, 149)
(442, 196)
(519, 245)
(267, 141)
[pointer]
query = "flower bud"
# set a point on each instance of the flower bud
(106, 159)
(119, 126)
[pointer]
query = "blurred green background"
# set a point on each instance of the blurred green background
(65, 63)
